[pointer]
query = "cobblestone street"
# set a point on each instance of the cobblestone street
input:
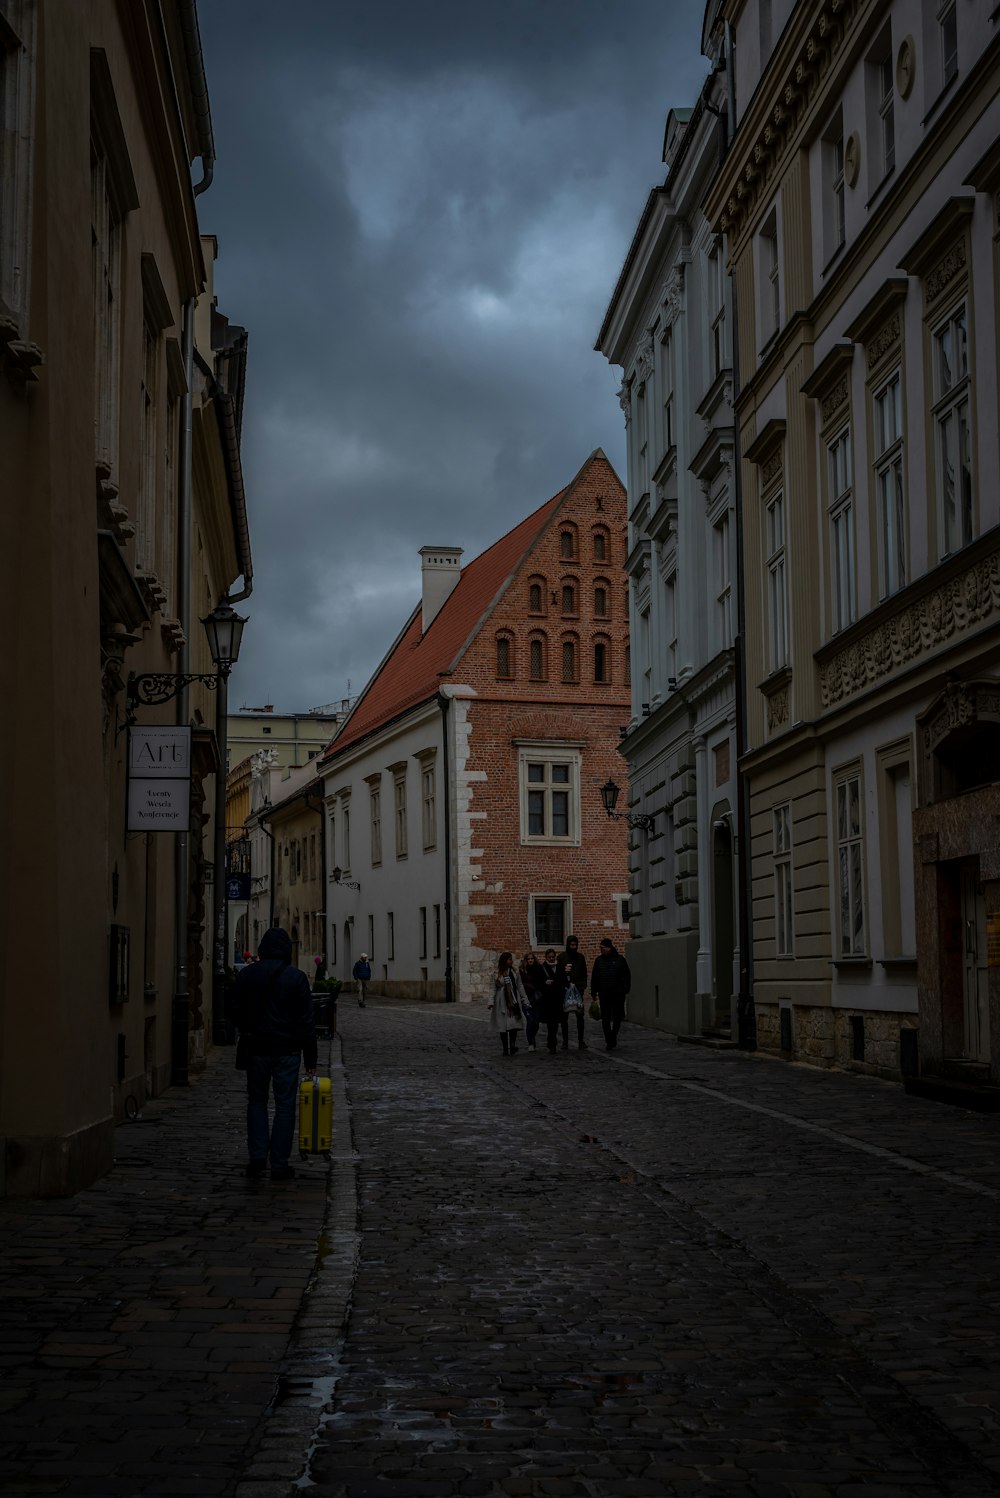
(653, 1272)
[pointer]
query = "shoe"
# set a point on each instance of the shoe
(565, 1045)
(582, 1046)
(551, 1050)
(256, 1167)
(285, 1173)
(531, 1045)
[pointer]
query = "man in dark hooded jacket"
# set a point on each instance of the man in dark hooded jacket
(274, 1012)
(610, 981)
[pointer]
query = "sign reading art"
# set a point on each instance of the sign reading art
(159, 779)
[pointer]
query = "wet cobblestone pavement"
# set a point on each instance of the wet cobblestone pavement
(664, 1271)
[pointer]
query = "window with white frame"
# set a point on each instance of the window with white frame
(886, 112)
(17, 81)
(428, 805)
(947, 19)
(841, 510)
(399, 810)
(833, 171)
(549, 920)
(375, 815)
(782, 850)
(549, 777)
(723, 581)
(668, 434)
(670, 622)
(951, 420)
(777, 597)
(642, 441)
(622, 903)
(850, 865)
(717, 308)
(645, 656)
(890, 496)
(770, 279)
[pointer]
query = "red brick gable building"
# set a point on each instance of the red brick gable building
(503, 698)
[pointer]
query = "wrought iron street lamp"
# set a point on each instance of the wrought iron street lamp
(609, 796)
(224, 628)
(337, 877)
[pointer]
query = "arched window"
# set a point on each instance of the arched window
(602, 660)
(602, 544)
(567, 541)
(569, 658)
(505, 656)
(536, 658)
(601, 598)
(536, 594)
(569, 597)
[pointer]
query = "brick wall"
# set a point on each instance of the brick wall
(500, 872)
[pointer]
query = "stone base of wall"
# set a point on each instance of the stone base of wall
(824, 1037)
(433, 990)
(53, 1165)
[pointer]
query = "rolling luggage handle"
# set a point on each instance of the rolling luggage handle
(313, 1144)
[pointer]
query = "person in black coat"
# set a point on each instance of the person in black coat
(553, 992)
(277, 1023)
(574, 964)
(610, 981)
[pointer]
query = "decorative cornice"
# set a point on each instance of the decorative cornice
(770, 437)
(951, 265)
(765, 146)
(957, 605)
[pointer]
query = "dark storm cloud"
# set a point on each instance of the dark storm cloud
(421, 210)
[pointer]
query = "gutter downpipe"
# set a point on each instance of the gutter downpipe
(179, 1017)
(187, 14)
(746, 1011)
(449, 990)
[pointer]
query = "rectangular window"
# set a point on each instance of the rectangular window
(399, 812)
(375, 808)
(835, 172)
(670, 623)
(777, 602)
(428, 806)
(569, 661)
(951, 417)
(550, 795)
(717, 309)
(948, 30)
(669, 436)
(841, 531)
(331, 843)
(886, 114)
(17, 70)
(437, 931)
(850, 866)
(549, 921)
(783, 913)
(642, 441)
(770, 280)
(646, 657)
(345, 837)
(371, 938)
(390, 937)
(723, 582)
(895, 850)
(889, 492)
(423, 931)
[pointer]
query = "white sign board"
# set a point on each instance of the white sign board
(159, 779)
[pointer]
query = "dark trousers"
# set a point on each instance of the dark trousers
(508, 1039)
(553, 1025)
(612, 1014)
(532, 1020)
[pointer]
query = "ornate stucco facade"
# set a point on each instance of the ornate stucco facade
(668, 328)
(859, 200)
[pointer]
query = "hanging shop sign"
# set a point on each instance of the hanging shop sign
(159, 779)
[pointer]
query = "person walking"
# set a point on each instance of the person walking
(276, 1019)
(533, 980)
(574, 965)
(610, 981)
(553, 993)
(508, 1003)
(362, 974)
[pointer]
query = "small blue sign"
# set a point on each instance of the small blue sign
(238, 887)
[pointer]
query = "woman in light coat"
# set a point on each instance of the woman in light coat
(508, 1004)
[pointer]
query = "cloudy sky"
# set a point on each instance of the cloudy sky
(422, 208)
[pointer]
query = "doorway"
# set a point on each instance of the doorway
(723, 931)
(975, 988)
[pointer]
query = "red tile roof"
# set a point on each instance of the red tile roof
(411, 672)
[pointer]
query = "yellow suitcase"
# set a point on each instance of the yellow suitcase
(315, 1116)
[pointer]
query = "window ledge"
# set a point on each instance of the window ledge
(943, 93)
(835, 258)
(879, 187)
(863, 964)
(897, 962)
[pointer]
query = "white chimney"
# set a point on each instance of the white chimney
(441, 570)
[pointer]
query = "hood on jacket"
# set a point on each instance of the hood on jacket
(275, 943)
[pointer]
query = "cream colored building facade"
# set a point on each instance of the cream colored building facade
(296, 738)
(860, 203)
(118, 531)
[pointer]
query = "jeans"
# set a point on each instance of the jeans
(532, 1021)
(282, 1074)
